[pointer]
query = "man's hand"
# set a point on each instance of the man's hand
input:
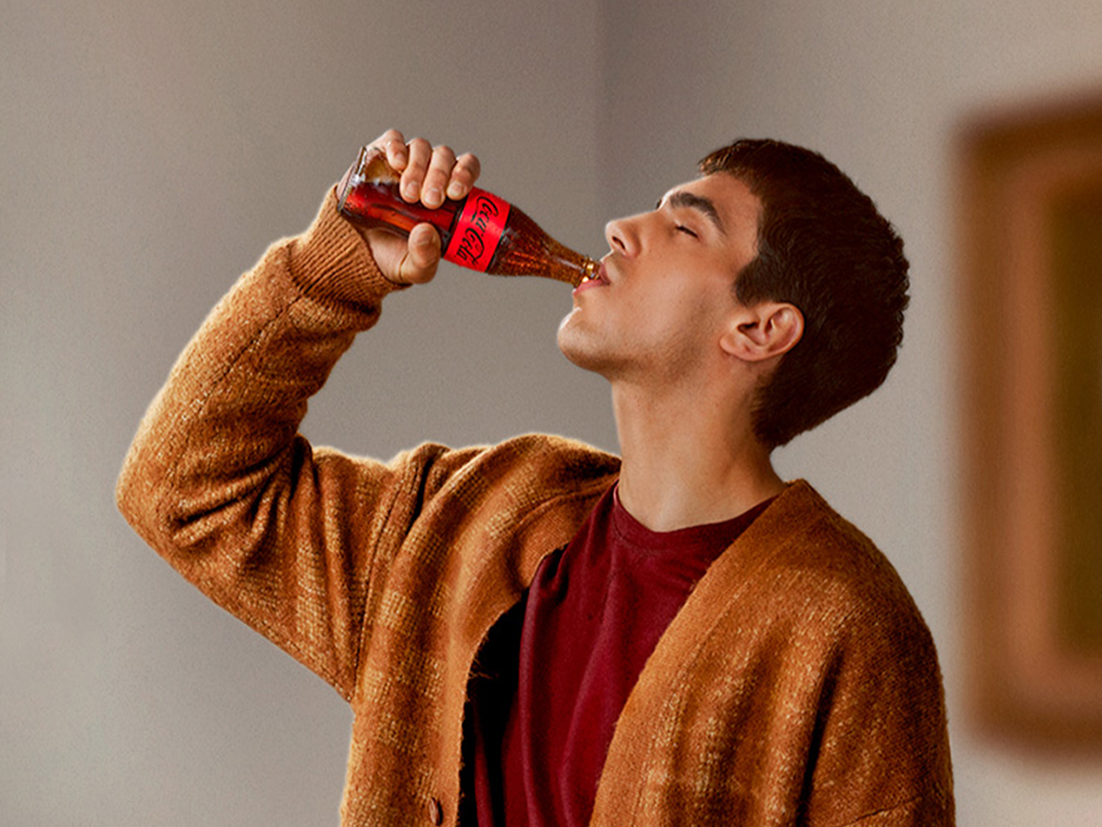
(429, 174)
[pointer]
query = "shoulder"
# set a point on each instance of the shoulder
(880, 703)
(518, 472)
(545, 456)
(827, 570)
(815, 620)
(557, 459)
(506, 504)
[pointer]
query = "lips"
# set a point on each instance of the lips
(600, 279)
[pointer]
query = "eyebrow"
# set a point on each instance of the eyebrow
(691, 201)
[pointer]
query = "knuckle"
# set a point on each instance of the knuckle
(391, 136)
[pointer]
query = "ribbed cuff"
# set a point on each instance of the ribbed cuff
(331, 262)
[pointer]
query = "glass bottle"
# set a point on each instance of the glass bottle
(481, 232)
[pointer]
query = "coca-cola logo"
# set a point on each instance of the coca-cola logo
(471, 247)
(477, 232)
(473, 242)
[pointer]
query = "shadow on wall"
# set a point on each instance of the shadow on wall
(1031, 296)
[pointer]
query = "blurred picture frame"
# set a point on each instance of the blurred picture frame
(1029, 314)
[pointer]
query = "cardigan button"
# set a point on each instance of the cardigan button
(435, 812)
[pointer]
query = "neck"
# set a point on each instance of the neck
(687, 461)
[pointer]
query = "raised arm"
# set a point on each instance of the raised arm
(219, 481)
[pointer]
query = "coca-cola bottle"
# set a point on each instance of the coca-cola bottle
(481, 232)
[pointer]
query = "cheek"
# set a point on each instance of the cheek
(694, 310)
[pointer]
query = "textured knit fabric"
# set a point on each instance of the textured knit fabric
(798, 684)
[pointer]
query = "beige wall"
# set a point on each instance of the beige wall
(152, 152)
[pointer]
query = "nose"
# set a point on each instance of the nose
(620, 237)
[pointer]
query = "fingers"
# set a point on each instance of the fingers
(428, 173)
(393, 145)
(438, 169)
(463, 174)
(413, 176)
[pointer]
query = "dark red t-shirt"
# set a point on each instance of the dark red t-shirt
(593, 615)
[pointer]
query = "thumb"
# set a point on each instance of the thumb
(419, 263)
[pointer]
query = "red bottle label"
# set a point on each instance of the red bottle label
(478, 230)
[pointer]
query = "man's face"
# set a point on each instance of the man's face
(666, 292)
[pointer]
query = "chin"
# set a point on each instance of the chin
(574, 346)
(585, 353)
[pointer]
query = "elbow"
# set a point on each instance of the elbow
(134, 506)
(139, 491)
(183, 516)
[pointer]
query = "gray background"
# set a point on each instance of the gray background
(151, 151)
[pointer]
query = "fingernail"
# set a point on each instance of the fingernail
(432, 196)
(409, 189)
(455, 189)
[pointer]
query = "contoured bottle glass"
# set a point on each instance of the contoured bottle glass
(481, 232)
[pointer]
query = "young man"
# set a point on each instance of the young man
(539, 633)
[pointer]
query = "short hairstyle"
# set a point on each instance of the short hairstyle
(823, 247)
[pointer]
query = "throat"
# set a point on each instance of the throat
(687, 483)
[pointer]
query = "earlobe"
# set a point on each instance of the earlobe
(763, 331)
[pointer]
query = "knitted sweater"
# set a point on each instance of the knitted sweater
(797, 685)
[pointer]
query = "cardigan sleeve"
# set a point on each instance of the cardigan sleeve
(219, 482)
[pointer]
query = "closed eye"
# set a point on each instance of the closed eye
(683, 200)
(681, 228)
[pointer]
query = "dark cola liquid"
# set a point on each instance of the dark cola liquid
(526, 250)
(481, 232)
(377, 204)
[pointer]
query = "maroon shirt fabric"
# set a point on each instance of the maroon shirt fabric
(593, 615)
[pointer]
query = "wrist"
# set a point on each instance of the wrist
(333, 261)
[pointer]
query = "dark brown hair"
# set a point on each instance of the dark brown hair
(823, 247)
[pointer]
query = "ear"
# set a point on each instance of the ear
(762, 331)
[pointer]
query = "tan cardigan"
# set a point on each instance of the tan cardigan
(798, 685)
